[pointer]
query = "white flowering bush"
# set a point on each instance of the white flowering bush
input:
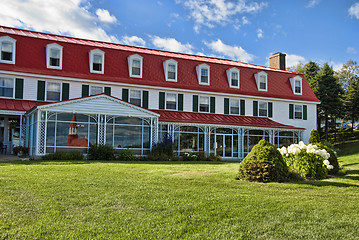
(307, 160)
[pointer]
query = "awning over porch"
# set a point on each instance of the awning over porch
(220, 119)
(18, 104)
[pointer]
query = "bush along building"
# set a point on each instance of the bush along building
(61, 93)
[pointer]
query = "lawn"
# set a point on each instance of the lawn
(145, 200)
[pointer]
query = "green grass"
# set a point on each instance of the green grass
(114, 200)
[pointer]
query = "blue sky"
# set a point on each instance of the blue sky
(247, 31)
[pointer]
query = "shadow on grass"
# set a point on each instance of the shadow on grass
(318, 183)
(350, 164)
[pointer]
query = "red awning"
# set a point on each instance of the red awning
(18, 105)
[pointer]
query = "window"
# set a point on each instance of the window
(234, 106)
(54, 56)
(296, 83)
(135, 65)
(53, 91)
(203, 104)
(171, 101)
(96, 90)
(263, 109)
(262, 81)
(233, 77)
(170, 68)
(135, 97)
(298, 111)
(203, 74)
(97, 61)
(6, 87)
(7, 45)
(298, 87)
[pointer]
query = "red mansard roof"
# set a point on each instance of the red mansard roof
(219, 119)
(31, 58)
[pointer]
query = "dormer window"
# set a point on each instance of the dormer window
(97, 61)
(233, 77)
(203, 74)
(7, 47)
(135, 63)
(296, 83)
(170, 68)
(54, 56)
(262, 81)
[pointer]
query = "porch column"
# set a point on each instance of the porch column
(6, 134)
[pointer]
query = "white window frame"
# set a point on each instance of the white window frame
(130, 62)
(230, 106)
(166, 68)
(295, 79)
(301, 106)
(199, 73)
(46, 90)
(13, 42)
(258, 77)
(259, 115)
(209, 104)
(229, 77)
(95, 86)
(102, 54)
(49, 47)
(176, 102)
(141, 96)
(13, 87)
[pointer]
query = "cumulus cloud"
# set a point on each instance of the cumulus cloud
(233, 52)
(211, 12)
(312, 3)
(351, 50)
(294, 60)
(66, 17)
(354, 10)
(133, 41)
(171, 44)
(104, 16)
(259, 33)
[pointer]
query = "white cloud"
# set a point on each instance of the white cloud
(336, 65)
(211, 12)
(294, 60)
(312, 3)
(245, 20)
(104, 16)
(68, 17)
(171, 44)
(259, 33)
(159, 3)
(351, 50)
(133, 41)
(233, 52)
(354, 10)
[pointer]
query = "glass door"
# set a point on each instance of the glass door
(220, 144)
(227, 146)
(224, 145)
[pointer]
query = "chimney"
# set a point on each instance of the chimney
(277, 61)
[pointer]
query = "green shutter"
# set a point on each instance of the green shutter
(108, 91)
(195, 103)
(291, 111)
(305, 116)
(125, 94)
(180, 102)
(85, 90)
(145, 99)
(243, 107)
(226, 105)
(213, 104)
(41, 90)
(255, 108)
(19, 88)
(270, 109)
(65, 91)
(161, 103)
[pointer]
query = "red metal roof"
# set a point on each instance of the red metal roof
(19, 105)
(31, 58)
(219, 119)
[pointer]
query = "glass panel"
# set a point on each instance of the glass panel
(128, 137)
(262, 109)
(298, 87)
(171, 74)
(135, 97)
(50, 134)
(146, 137)
(136, 67)
(204, 75)
(6, 87)
(228, 145)
(298, 110)
(171, 101)
(6, 51)
(188, 142)
(219, 145)
(109, 134)
(54, 53)
(128, 120)
(204, 104)
(53, 91)
(97, 58)
(96, 90)
(234, 106)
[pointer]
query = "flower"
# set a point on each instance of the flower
(330, 167)
(326, 162)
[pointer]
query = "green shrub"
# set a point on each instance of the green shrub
(263, 164)
(214, 158)
(20, 150)
(190, 156)
(127, 155)
(163, 151)
(314, 137)
(58, 156)
(332, 159)
(101, 152)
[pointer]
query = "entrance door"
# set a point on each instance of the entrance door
(224, 145)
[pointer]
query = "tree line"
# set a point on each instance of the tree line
(338, 92)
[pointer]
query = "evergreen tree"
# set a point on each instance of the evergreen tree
(311, 70)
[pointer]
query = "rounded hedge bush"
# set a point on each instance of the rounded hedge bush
(332, 159)
(263, 164)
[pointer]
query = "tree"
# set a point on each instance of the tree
(311, 70)
(329, 92)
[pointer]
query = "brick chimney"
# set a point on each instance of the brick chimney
(277, 61)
